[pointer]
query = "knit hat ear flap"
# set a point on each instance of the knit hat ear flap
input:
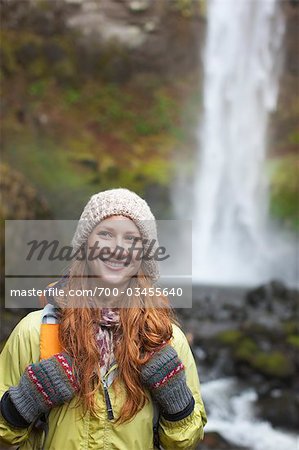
(127, 203)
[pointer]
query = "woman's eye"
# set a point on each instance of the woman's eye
(107, 234)
(104, 233)
(130, 238)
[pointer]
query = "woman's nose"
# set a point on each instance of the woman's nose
(121, 247)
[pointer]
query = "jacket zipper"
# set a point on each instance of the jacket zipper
(106, 395)
(107, 400)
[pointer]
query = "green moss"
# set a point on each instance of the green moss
(245, 349)
(72, 96)
(203, 8)
(51, 171)
(290, 327)
(186, 8)
(158, 170)
(63, 109)
(293, 340)
(37, 88)
(293, 137)
(284, 188)
(38, 57)
(274, 363)
(230, 337)
(8, 60)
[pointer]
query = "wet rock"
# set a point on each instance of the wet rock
(153, 34)
(250, 334)
(274, 364)
(280, 407)
(291, 40)
(273, 298)
(279, 289)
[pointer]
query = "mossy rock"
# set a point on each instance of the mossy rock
(274, 364)
(229, 337)
(293, 340)
(284, 190)
(20, 200)
(186, 8)
(245, 350)
(290, 327)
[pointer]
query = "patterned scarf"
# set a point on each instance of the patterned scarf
(106, 336)
(107, 330)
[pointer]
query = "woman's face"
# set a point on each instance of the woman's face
(109, 255)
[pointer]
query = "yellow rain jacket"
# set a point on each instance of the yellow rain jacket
(68, 430)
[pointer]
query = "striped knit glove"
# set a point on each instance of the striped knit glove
(44, 385)
(164, 376)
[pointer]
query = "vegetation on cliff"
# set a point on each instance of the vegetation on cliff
(74, 132)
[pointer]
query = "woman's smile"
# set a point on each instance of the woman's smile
(115, 262)
(115, 266)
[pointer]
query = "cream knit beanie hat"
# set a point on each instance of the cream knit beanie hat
(121, 202)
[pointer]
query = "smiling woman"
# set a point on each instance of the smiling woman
(112, 364)
(120, 261)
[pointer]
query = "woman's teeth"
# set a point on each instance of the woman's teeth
(113, 264)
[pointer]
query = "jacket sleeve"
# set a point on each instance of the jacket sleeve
(187, 432)
(14, 358)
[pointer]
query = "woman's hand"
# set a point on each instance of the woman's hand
(44, 385)
(164, 376)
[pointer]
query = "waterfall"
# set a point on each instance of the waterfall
(231, 412)
(233, 240)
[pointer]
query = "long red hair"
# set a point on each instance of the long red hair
(143, 327)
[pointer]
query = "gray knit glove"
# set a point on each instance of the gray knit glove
(44, 385)
(164, 376)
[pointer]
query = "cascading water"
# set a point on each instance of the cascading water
(231, 412)
(233, 240)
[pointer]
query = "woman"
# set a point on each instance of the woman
(121, 349)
